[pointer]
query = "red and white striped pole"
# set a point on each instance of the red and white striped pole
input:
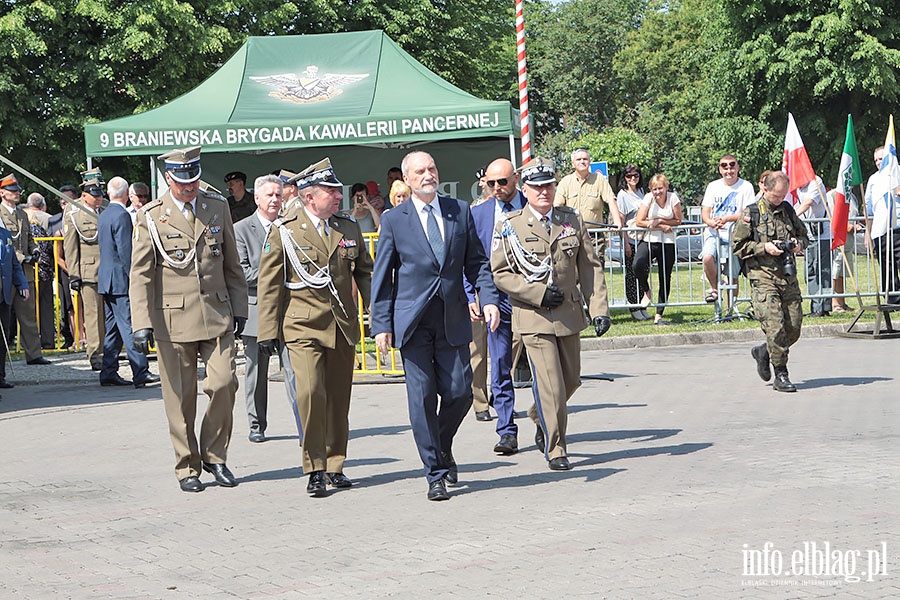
(523, 84)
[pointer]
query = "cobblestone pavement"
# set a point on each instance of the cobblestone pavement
(691, 479)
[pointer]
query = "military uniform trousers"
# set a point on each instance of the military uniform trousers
(178, 372)
(26, 315)
(94, 321)
(479, 362)
(256, 382)
(323, 400)
(777, 304)
(556, 366)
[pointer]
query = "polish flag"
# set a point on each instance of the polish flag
(795, 163)
(849, 175)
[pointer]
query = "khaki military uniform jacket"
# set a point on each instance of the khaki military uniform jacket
(197, 302)
(588, 196)
(309, 313)
(81, 244)
(576, 271)
(775, 223)
(20, 229)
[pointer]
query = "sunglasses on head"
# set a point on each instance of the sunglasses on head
(490, 183)
(725, 165)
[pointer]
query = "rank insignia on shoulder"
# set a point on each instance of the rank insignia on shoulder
(267, 247)
(345, 243)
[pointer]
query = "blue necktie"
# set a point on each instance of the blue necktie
(506, 207)
(434, 235)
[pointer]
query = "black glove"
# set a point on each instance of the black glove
(239, 323)
(143, 339)
(28, 260)
(23, 291)
(267, 346)
(553, 297)
(75, 284)
(35, 254)
(602, 325)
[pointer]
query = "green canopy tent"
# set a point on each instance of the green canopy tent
(356, 97)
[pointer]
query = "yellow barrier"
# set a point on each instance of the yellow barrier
(363, 357)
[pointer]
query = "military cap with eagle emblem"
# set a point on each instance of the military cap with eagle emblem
(91, 182)
(538, 171)
(320, 173)
(287, 177)
(183, 164)
(9, 182)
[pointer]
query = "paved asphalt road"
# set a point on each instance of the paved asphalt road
(691, 479)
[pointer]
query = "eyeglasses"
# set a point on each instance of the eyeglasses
(729, 164)
(632, 176)
(500, 182)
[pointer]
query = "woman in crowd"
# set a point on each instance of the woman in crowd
(362, 210)
(631, 193)
(399, 193)
(659, 212)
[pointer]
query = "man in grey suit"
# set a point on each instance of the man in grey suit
(251, 234)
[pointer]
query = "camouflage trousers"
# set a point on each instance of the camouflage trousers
(777, 304)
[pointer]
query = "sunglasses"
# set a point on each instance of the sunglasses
(632, 176)
(500, 182)
(726, 165)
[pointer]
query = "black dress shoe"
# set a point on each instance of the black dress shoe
(191, 484)
(96, 367)
(539, 437)
(316, 485)
(560, 463)
(437, 490)
(507, 445)
(257, 437)
(452, 476)
(4, 384)
(339, 480)
(114, 380)
(39, 361)
(222, 474)
(144, 381)
(483, 415)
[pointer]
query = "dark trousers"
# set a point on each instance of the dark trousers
(118, 332)
(664, 254)
(500, 352)
(435, 368)
(888, 254)
(256, 384)
(45, 310)
(5, 318)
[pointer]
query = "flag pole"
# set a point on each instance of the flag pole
(524, 116)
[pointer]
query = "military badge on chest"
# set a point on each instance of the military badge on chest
(567, 232)
(344, 244)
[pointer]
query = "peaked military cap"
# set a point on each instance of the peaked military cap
(9, 182)
(320, 173)
(183, 164)
(91, 182)
(287, 177)
(538, 171)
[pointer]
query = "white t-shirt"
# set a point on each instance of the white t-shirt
(724, 201)
(818, 230)
(661, 212)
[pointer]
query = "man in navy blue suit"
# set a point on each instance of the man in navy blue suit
(114, 229)
(419, 304)
(500, 180)
(12, 281)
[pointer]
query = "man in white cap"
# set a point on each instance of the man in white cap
(189, 293)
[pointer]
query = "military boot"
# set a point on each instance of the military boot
(782, 383)
(761, 354)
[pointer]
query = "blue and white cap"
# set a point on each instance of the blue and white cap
(538, 171)
(320, 173)
(183, 164)
(287, 177)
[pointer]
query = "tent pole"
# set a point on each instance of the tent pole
(512, 148)
(90, 163)
(153, 193)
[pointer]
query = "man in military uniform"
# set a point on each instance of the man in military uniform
(80, 241)
(189, 293)
(309, 263)
(543, 258)
(291, 196)
(762, 239)
(15, 219)
(240, 199)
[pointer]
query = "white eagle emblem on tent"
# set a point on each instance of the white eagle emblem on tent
(308, 88)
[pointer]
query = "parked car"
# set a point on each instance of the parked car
(688, 244)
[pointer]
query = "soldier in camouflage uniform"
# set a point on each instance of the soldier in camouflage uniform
(775, 294)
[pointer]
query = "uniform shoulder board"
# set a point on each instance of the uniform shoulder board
(151, 205)
(72, 209)
(568, 209)
(514, 213)
(211, 195)
(347, 216)
(286, 219)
